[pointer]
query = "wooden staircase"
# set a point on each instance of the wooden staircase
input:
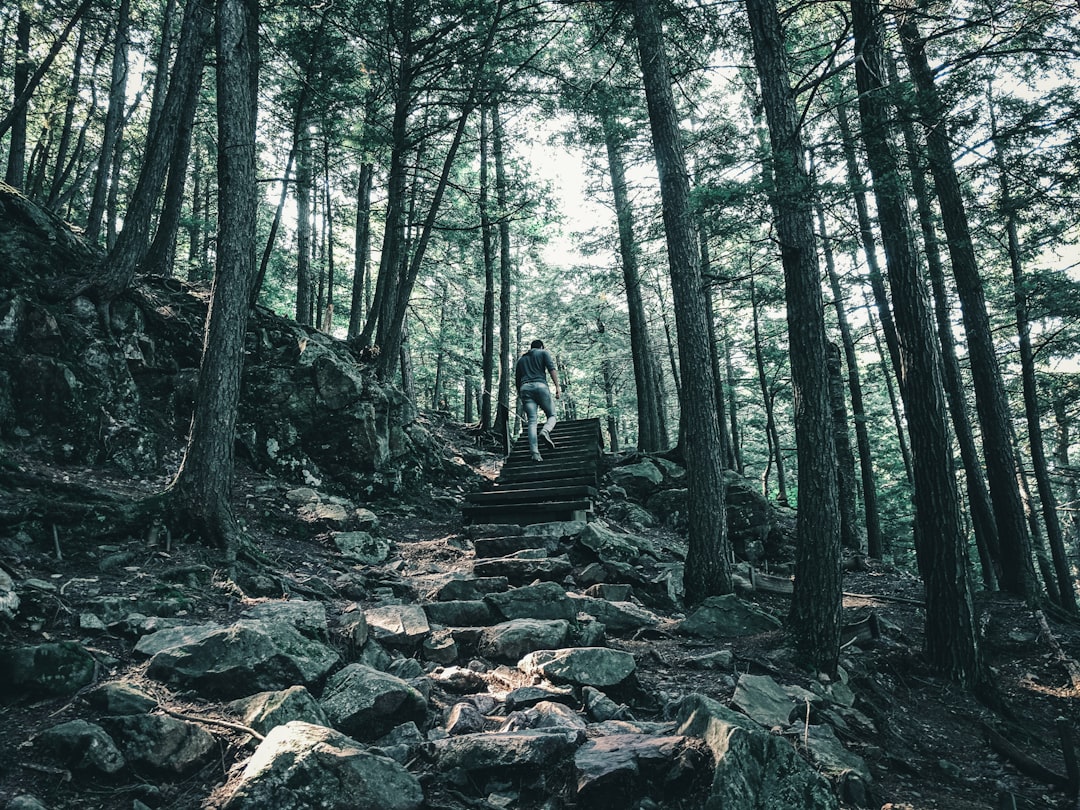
(561, 487)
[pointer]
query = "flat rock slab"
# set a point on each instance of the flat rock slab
(398, 625)
(546, 600)
(727, 617)
(509, 641)
(506, 749)
(613, 771)
(581, 666)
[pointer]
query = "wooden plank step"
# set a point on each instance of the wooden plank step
(568, 481)
(550, 474)
(527, 513)
(537, 494)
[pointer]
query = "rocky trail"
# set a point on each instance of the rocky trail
(391, 656)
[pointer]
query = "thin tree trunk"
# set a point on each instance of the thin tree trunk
(772, 435)
(707, 570)
(816, 601)
(124, 259)
(978, 497)
(361, 248)
(732, 401)
(871, 516)
(487, 328)
(204, 483)
(1040, 467)
(894, 402)
(113, 118)
(505, 280)
(1016, 575)
(941, 548)
(649, 405)
(304, 282)
(161, 63)
(62, 166)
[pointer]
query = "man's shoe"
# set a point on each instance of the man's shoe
(546, 439)
(536, 457)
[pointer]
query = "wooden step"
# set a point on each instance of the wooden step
(537, 494)
(528, 513)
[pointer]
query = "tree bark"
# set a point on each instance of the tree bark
(487, 326)
(124, 259)
(113, 118)
(1040, 467)
(816, 601)
(1016, 575)
(708, 569)
(649, 408)
(951, 644)
(204, 483)
(361, 248)
(978, 498)
(505, 280)
(871, 516)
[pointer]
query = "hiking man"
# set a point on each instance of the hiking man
(530, 377)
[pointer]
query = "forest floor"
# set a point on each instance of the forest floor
(931, 749)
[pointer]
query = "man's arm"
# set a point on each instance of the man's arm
(554, 374)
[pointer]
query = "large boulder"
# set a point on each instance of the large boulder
(300, 766)
(241, 659)
(580, 666)
(755, 770)
(366, 703)
(53, 668)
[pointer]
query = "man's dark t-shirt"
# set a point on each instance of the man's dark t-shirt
(532, 365)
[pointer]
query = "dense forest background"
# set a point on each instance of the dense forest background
(831, 246)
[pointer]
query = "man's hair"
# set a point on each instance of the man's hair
(537, 344)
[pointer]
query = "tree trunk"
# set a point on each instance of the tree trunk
(162, 253)
(816, 601)
(304, 278)
(772, 436)
(732, 402)
(505, 280)
(487, 327)
(129, 252)
(361, 248)
(871, 516)
(649, 405)
(327, 306)
(1016, 575)
(1040, 467)
(113, 118)
(161, 67)
(16, 163)
(708, 557)
(951, 644)
(978, 498)
(204, 483)
(62, 166)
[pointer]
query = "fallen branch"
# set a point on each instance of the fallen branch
(1070, 664)
(1024, 763)
(213, 721)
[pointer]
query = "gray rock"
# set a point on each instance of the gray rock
(268, 709)
(614, 546)
(53, 668)
(470, 588)
(464, 718)
(246, 657)
(460, 613)
(755, 770)
(362, 547)
(402, 626)
(163, 744)
(525, 568)
(9, 599)
(509, 641)
(727, 616)
(830, 755)
(81, 745)
(120, 698)
(440, 647)
(458, 680)
(545, 600)
(525, 697)
(511, 750)
(550, 714)
(307, 617)
(26, 802)
(366, 703)
(639, 480)
(617, 770)
(600, 707)
(581, 666)
(300, 766)
(762, 699)
(617, 617)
